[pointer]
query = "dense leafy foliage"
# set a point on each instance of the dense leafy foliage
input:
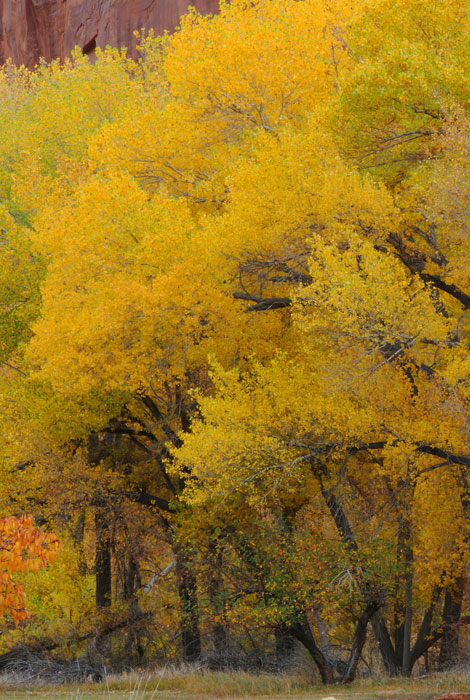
(234, 328)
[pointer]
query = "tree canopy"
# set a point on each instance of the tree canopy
(234, 322)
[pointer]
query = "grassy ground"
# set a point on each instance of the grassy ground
(173, 685)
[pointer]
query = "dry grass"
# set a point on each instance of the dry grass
(190, 684)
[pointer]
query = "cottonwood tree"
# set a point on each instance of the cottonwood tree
(271, 192)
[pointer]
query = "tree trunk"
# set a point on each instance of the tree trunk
(359, 640)
(131, 583)
(103, 589)
(375, 598)
(403, 596)
(187, 589)
(449, 652)
(399, 658)
(406, 666)
(78, 537)
(387, 650)
(215, 590)
(426, 636)
(103, 584)
(131, 579)
(302, 632)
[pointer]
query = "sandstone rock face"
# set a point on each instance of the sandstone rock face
(30, 29)
(454, 696)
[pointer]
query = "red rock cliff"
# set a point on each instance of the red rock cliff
(30, 29)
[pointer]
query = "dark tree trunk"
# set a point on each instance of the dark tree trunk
(103, 584)
(302, 632)
(449, 651)
(187, 589)
(360, 636)
(102, 562)
(407, 666)
(78, 536)
(426, 636)
(215, 589)
(221, 639)
(403, 597)
(387, 650)
(131, 583)
(131, 579)
(375, 599)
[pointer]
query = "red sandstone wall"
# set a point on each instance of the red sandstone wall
(30, 29)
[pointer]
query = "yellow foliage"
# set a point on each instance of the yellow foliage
(261, 226)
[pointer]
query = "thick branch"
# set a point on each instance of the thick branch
(416, 263)
(339, 516)
(263, 304)
(447, 287)
(148, 499)
(171, 434)
(444, 454)
(160, 574)
(450, 457)
(122, 429)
